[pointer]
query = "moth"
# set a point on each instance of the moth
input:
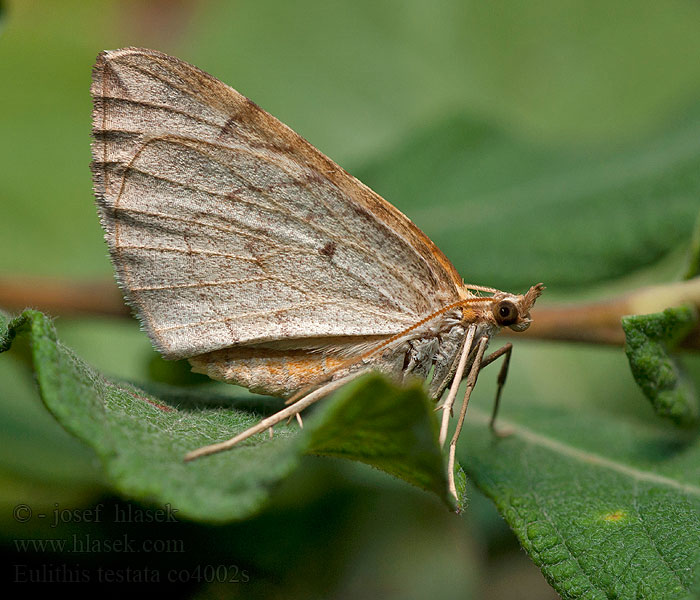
(244, 249)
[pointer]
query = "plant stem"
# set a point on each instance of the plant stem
(62, 297)
(592, 322)
(599, 322)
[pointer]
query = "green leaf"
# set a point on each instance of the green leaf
(692, 266)
(141, 438)
(650, 341)
(509, 213)
(387, 428)
(551, 71)
(607, 508)
(174, 372)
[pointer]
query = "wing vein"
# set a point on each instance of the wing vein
(271, 312)
(268, 194)
(163, 107)
(186, 251)
(198, 284)
(209, 225)
(169, 83)
(322, 231)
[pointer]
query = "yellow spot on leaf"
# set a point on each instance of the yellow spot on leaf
(614, 517)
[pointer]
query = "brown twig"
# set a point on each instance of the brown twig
(62, 297)
(592, 322)
(599, 322)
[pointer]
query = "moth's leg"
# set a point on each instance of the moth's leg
(445, 360)
(471, 382)
(505, 351)
(279, 416)
(449, 402)
(298, 417)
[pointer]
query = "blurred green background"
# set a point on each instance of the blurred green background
(555, 141)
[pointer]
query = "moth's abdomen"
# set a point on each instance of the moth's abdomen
(266, 371)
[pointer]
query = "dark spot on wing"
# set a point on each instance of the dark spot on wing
(229, 127)
(328, 250)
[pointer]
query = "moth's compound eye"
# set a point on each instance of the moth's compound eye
(505, 312)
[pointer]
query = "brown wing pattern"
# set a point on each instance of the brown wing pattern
(227, 228)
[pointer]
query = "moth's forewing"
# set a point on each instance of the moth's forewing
(228, 229)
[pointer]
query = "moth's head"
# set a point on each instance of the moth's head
(513, 310)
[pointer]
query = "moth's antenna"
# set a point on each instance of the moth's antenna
(481, 288)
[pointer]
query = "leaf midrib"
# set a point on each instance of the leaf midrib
(586, 456)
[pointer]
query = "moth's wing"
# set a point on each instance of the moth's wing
(225, 227)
